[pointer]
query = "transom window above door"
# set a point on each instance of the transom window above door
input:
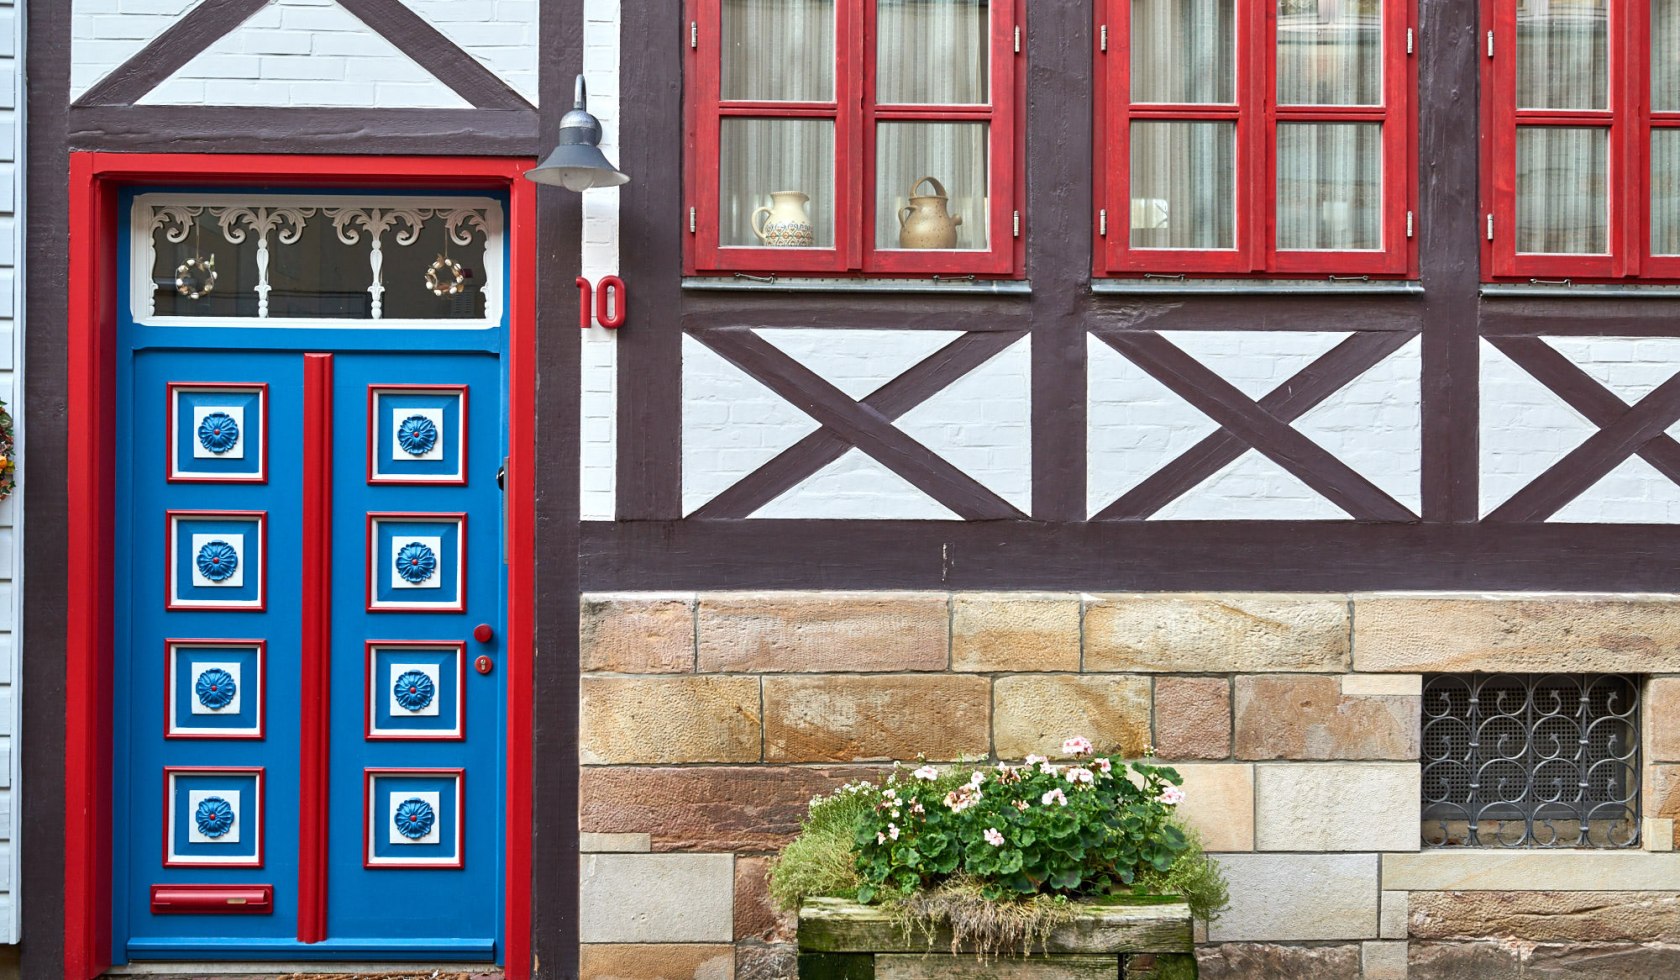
(310, 259)
(1255, 137)
(1583, 106)
(853, 137)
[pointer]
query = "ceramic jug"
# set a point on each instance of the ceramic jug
(925, 222)
(785, 222)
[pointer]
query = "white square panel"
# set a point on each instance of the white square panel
(234, 581)
(398, 837)
(431, 672)
(197, 796)
(235, 412)
(232, 707)
(436, 417)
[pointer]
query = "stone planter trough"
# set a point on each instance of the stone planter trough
(842, 940)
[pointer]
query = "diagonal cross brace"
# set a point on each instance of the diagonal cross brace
(1308, 388)
(893, 400)
(1245, 419)
(213, 20)
(1624, 431)
(858, 424)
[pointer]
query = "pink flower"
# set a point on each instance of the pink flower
(962, 798)
(1171, 796)
(1021, 805)
(1033, 760)
(880, 838)
(926, 774)
(993, 836)
(1049, 769)
(976, 779)
(1054, 796)
(1076, 746)
(916, 809)
(1104, 766)
(1076, 775)
(892, 831)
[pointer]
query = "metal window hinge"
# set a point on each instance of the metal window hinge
(1490, 227)
(693, 221)
(1408, 224)
(1017, 40)
(1490, 44)
(1410, 41)
(1102, 222)
(1105, 37)
(1017, 224)
(694, 34)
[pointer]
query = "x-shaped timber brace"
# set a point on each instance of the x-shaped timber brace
(1263, 425)
(866, 425)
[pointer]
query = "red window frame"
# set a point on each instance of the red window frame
(1630, 121)
(855, 113)
(1256, 114)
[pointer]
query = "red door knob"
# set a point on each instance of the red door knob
(483, 633)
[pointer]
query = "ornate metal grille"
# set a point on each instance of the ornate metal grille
(1530, 760)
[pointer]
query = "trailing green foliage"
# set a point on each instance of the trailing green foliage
(1194, 876)
(822, 861)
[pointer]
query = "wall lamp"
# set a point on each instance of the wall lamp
(577, 162)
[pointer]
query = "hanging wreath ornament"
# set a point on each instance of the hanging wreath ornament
(445, 277)
(196, 277)
(8, 463)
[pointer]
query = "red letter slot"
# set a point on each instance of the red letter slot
(212, 899)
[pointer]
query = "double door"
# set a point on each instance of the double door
(308, 714)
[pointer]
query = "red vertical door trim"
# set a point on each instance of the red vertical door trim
(1628, 27)
(316, 584)
(1503, 73)
(1259, 216)
(91, 410)
(1396, 131)
(520, 501)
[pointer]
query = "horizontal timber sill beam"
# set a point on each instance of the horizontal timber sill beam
(962, 285)
(1255, 287)
(243, 129)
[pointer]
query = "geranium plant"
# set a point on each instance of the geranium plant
(1002, 848)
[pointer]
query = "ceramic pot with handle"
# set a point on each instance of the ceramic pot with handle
(784, 223)
(926, 221)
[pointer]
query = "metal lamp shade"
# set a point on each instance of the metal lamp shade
(577, 162)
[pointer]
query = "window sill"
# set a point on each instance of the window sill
(1530, 869)
(958, 285)
(1570, 290)
(1256, 287)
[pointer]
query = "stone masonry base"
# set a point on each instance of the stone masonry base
(710, 719)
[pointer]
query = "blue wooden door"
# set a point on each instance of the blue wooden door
(217, 829)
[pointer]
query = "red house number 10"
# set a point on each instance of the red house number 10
(606, 301)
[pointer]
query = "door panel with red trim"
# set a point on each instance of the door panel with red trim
(309, 727)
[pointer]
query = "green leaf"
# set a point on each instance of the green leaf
(866, 893)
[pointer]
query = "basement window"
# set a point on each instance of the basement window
(1531, 760)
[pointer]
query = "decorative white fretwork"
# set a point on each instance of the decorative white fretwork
(286, 224)
(279, 221)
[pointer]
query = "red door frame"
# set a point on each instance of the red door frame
(95, 179)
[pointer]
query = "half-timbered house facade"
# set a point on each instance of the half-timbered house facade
(1286, 390)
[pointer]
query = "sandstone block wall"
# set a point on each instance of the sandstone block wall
(710, 719)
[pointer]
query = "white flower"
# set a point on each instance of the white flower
(993, 836)
(926, 774)
(1077, 775)
(962, 798)
(889, 794)
(1171, 796)
(976, 779)
(1033, 760)
(1054, 796)
(1049, 769)
(880, 838)
(892, 831)
(916, 809)
(1076, 746)
(1104, 766)
(1021, 805)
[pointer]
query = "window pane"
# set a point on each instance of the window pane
(1665, 55)
(908, 209)
(776, 180)
(1329, 193)
(1184, 185)
(1562, 205)
(778, 50)
(1665, 191)
(933, 51)
(1562, 54)
(1329, 52)
(1183, 51)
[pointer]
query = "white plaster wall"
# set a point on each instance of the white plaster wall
(11, 386)
(598, 473)
(306, 53)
